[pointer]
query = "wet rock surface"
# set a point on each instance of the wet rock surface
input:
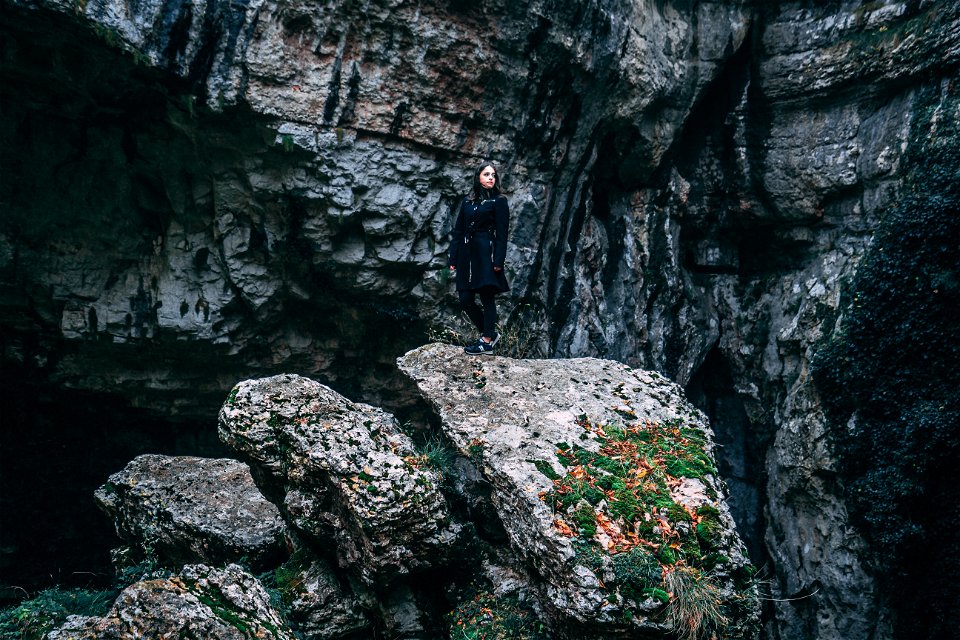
(190, 510)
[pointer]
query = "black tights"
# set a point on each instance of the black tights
(484, 319)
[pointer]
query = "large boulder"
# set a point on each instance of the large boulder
(188, 510)
(603, 478)
(199, 602)
(340, 471)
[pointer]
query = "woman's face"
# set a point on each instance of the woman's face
(488, 177)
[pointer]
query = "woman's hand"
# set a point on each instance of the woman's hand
(452, 268)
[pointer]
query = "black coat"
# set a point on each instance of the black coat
(480, 243)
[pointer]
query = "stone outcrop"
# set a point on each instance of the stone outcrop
(691, 183)
(193, 510)
(609, 517)
(340, 471)
(198, 602)
(513, 418)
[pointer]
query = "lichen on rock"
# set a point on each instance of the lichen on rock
(340, 471)
(188, 509)
(199, 602)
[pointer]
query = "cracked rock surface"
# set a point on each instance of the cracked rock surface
(340, 470)
(190, 509)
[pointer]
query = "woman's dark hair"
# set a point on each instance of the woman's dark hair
(479, 193)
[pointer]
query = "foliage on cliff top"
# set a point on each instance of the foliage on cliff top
(617, 502)
(889, 377)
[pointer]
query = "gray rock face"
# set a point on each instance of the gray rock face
(340, 470)
(685, 198)
(314, 600)
(369, 119)
(200, 602)
(511, 416)
(189, 510)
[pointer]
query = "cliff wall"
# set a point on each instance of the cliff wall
(197, 192)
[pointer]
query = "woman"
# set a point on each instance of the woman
(477, 253)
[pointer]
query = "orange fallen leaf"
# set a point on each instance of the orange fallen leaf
(562, 527)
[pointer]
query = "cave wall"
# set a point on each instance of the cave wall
(303, 148)
(198, 192)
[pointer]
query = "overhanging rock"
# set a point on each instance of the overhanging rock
(603, 478)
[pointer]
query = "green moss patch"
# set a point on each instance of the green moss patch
(617, 506)
(490, 617)
(289, 578)
(623, 489)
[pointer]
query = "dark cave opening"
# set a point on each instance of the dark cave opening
(739, 452)
(56, 447)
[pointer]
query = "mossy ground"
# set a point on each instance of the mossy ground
(486, 616)
(616, 503)
(33, 619)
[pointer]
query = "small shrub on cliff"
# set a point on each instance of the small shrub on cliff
(438, 455)
(695, 609)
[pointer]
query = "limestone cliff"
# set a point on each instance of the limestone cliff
(199, 192)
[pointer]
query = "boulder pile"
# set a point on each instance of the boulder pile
(551, 499)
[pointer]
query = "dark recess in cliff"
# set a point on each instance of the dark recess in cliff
(740, 448)
(56, 447)
(890, 379)
(89, 137)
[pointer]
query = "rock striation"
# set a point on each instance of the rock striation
(305, 167)
(693, 187)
